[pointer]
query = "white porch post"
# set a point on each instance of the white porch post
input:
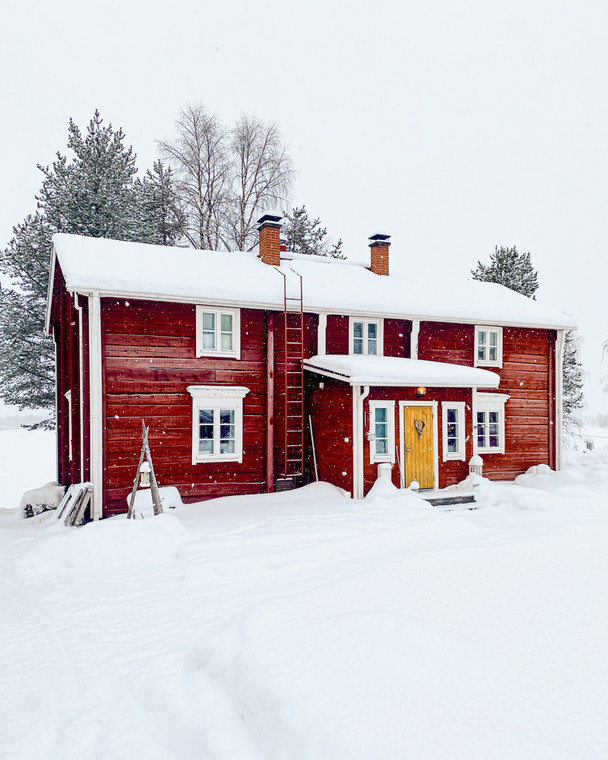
(96, 405)
(359, 397)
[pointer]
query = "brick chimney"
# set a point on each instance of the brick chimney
(270, 239)
(379, 244)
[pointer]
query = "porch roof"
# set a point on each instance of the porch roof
(392, 370)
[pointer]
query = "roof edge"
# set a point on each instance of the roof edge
(307, 364)
(278, 306)
(50, 290)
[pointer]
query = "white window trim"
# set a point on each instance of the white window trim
(390, 418)
(216, 397)
(488, 362)
(366, 321)
(460, 406)
(235, 352)
(490, 402)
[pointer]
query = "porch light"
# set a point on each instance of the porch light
(421, 391)
(144, 475)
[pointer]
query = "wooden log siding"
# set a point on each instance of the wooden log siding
(528, 366)
(64, 321)
(150, 359)
(337, 334)
(331, 409)
(396, 336)
(309, 349)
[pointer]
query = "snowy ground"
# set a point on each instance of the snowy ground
(27, 460)
(307, 626)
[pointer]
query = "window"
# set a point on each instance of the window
(217, 423)
(488, 346)
(489, 424)
(218, 332)
(381, 433)
(366, 336)
(453, 430)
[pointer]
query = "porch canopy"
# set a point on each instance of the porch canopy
(395, 371)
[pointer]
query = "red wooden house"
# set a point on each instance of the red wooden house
(233, 359)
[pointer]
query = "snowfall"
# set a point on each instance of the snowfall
(307, 625)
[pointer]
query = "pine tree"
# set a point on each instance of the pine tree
(509, 268)
(305, 235)
(515, 271)
(27, 355)
(93, 193)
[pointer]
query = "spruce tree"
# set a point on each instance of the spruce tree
(572, 391)
(515, 271)
(509, 268)
(161, 216)
(305, 235)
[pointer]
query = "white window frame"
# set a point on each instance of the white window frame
(235, 351)
(490, 402)
(460, 407)
(390, 421)
(488, 362)
(366, 322)
(217, 397)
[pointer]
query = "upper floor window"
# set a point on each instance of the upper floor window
(488, 346)
(218, 332)
(366, 336)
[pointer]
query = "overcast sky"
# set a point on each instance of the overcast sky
(454, 126)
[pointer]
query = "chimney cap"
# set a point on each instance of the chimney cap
(379, 237)
(270, 217)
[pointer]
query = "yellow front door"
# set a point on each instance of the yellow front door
(418, 445)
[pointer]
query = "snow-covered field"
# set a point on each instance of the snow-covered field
(307, 626)
(27, 460)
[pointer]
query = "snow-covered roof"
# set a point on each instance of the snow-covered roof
(394, 371)
(138, 270)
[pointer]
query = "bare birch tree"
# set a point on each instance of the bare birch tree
(262, 175)
(227, 178)
(199, 158)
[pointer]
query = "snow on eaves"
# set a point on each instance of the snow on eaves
(395, 371)
(141, 270)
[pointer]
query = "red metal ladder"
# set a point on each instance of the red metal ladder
(293, 381)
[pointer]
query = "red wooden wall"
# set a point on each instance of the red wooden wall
(527, 375)
(149, 359)
(65, 326)
(396, 336)
(331, 412)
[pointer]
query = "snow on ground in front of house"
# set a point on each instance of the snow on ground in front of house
(309, 626)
